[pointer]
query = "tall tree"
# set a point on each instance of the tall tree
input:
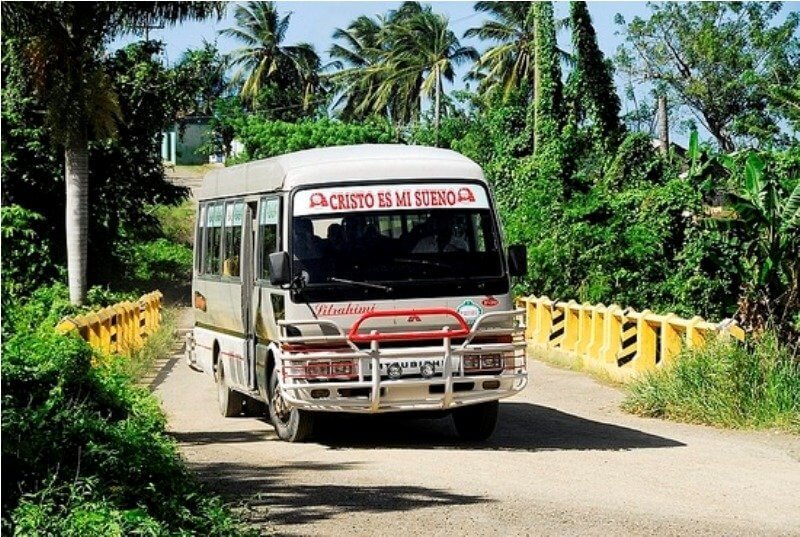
(265, 58)
(509, 63)
(593, 77)
(63, 44)
(395, 62)
(424, 47)
(718, 60)
(202, 73)
(360, 51)
(547, 110)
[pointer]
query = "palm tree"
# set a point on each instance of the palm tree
(426, 49)
(395, 62)
(63, 43)
(264, 57)
(360, 50)
(511, 62)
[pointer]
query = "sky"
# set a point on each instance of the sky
(315, 22)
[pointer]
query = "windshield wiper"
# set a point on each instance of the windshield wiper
(362, 284)
(422, 262)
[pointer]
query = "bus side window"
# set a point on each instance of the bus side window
(232, 243)
(200, 239)
(213, 244)
(268, 231)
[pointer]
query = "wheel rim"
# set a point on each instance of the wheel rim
(281, 409)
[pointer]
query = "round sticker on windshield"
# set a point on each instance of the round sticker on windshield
(469, 311)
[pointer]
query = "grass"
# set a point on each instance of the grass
(572, 362)
(725, 384)
(158, 345)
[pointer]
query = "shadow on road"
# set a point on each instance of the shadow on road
(274, 494)
(521, 427)
(198, 438)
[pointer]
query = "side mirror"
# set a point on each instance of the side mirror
(518, 260)
(279, 273)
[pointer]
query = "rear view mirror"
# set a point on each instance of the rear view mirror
(279, 268)
(517, 260)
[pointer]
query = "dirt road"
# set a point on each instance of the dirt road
(564, 460)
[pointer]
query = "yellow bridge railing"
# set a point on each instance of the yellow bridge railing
(118, 329)
(621, 342)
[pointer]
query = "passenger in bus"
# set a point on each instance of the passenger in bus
(230, 267)
(354, 226)
(439, 237)
(336, 239)
(306, 245)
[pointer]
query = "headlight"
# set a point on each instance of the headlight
(321, 369)
(427, 370)
(491, 361)
(472, 362)
(395, 371)
(341, 368)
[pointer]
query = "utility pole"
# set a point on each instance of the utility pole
(146, 27)
(663, 124)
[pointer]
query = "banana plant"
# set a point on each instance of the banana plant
(771, 217)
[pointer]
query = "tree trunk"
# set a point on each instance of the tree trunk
(436, 112)
(663, 124)
(76, 158)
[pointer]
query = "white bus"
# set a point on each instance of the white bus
(365, 278)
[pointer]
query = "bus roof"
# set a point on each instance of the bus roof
(338, 164)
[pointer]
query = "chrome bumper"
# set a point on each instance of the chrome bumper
(404, 394)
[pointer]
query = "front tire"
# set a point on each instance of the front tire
(476, 422)
(291, 424)
(230, 401)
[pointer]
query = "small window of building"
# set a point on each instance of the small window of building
(234, 212)
(268, 224)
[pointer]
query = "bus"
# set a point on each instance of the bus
(365, 278)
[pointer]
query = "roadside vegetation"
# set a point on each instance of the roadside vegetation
(584, 175)
(84, 449)
(727, 384)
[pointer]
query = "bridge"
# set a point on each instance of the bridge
(564, 459)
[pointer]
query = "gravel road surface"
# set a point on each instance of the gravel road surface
(564, 460)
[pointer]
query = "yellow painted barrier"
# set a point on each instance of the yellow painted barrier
(118, 329)
(623, 343)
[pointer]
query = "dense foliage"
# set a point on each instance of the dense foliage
(264, 138)
(84, 450)
(726, 61)
(126, 174)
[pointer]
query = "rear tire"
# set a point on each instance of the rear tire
(230, 402)
(476, 422)
(291, 424)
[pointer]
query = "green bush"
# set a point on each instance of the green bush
(725, 383)
(84, 448)
(159, 259)
(26, 260)
(177, 222)
(264, 138)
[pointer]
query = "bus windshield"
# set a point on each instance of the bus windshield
(396, 241)
(397, 248)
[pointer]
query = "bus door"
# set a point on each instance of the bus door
(248, 279)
